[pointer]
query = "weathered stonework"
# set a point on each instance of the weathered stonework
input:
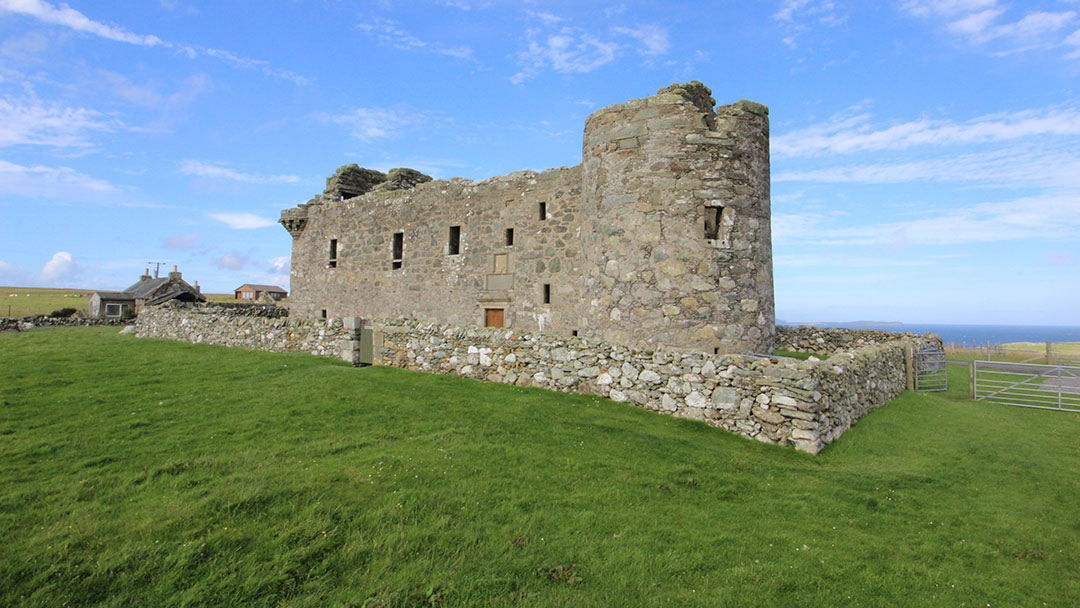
(806, 404)
(661, 236)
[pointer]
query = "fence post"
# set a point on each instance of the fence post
(909, 369)
(1049, 353)
(971, 380)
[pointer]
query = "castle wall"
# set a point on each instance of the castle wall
(679, 195)
(432, 282)
(661, 236)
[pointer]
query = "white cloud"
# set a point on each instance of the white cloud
(797, 16)
(214, 171)
(71, 18)
(1025, 167)
(848, 134)
(923, 8)
(388, 32)
(246, 63)
(62, 267)
(5, 267)
(368, 124)
(568, 51)
(654, 39)
(1038, 217)
(981, 22)
(66, 16)
(232, 261)
(48, 181)
(278, 271)
(243, 221)
(29, 121)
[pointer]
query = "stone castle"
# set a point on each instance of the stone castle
(660, 237)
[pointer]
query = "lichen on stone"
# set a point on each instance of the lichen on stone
(694, 92)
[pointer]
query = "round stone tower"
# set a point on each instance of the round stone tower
(677, 233)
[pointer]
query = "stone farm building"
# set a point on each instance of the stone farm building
(148, 291)
(660, 236)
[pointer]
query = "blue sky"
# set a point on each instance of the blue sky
(925, 153)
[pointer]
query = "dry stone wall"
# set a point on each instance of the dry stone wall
(252, 327)
(805, 404)
(827, 341)
(30, 322)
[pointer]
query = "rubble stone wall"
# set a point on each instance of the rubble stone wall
(826, 341)
(661, 236)
(806, 404)
(25, 323)
(249, 328)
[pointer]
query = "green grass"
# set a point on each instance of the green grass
(794, 354)
(153, 473)
(28, 301)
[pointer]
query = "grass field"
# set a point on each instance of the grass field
(153, 473)
(29, 301)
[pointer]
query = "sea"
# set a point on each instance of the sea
(970, 334)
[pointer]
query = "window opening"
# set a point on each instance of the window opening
(547, 293)
(574, 333)
(712, 222)
(542, 209)
(113, 310)
(509, 237)
(454, 246)
(322, 313)
(333, 254)
(399, 245)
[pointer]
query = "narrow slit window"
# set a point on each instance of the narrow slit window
(454, 246)
(574, 333)
(542, 211)
(712, 222)
(509, 237)
(332, 262)
(322, 313)
(399, 245)
(547, 293)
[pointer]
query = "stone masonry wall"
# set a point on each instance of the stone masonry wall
(661, 236)
(432, 282)
(238, 327)
(826, 341)
(659, 173)
(807, 404)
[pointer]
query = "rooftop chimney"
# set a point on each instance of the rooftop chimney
(197, 288)
(145, 276)
(175, 274)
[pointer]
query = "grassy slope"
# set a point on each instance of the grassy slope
(140, 472)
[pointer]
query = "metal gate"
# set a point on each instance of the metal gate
(931, 370)
(1049, 387)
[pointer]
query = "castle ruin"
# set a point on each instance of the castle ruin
(660, 237)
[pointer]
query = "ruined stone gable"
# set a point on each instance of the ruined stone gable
(661, 236)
